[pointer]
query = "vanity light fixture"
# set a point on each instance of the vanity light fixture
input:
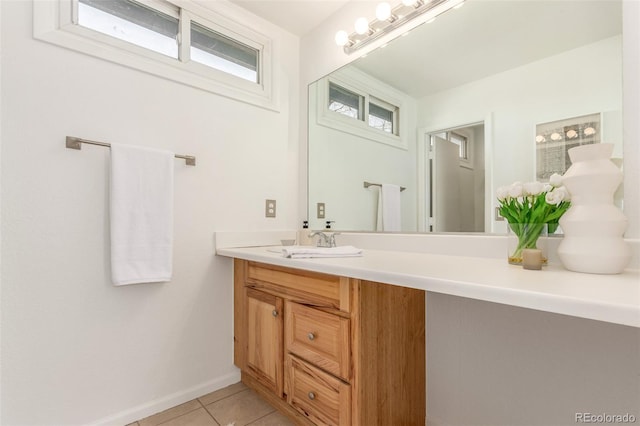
(388, 19)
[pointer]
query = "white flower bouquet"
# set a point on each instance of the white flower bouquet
(528, 207)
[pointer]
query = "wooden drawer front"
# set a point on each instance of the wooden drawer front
(322, 289)
(319, 396)
(318, 337)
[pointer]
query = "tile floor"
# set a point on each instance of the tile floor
(235, 405)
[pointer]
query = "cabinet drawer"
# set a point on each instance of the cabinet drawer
(319, 396)
(320, 289)
(318, 337)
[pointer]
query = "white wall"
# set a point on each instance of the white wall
(75, 349)
(515, 108)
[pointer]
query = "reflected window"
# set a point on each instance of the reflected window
(345, 102)
(462, 142)
(382, 116)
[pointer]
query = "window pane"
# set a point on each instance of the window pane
(344, 102)
(223, 53)
(380, 118)
(132, 22)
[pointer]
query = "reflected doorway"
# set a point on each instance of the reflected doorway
(456, 179)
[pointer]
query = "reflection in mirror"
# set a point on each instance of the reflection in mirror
(450, 112)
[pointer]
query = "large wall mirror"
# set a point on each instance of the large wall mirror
(457, 107)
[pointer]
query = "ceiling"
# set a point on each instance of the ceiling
(296, 16)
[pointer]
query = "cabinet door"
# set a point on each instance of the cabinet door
(265, 339)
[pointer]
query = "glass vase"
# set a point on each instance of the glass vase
(521, 236)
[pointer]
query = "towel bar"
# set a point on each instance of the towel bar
(76, 143)
(368, 184)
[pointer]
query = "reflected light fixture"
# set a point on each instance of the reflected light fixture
(388, 19)
(361, 26)
(383, 11)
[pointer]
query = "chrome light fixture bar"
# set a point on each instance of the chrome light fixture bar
(388, 19)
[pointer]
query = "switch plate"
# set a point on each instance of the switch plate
(270, 208)
(499, 218)
(320, 210)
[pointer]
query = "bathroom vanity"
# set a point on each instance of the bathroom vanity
(342, 340)
(329, 349)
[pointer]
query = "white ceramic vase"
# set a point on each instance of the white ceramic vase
(593, 226)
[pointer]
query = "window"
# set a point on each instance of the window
(223, 53)
(380, 115)
(132, 22)
(197, 47)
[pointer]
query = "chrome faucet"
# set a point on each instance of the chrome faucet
(327, 239)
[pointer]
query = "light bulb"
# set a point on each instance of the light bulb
(342, 38)
(409, 2)
(383, 11)
(362, 26)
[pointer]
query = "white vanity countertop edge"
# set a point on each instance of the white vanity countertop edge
(610, 298)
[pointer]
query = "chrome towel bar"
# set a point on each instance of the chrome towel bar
(76, 143)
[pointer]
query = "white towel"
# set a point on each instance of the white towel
(308, 252)
(141, 214)
(389, 208)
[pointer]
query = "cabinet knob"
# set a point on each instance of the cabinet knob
(311, 396)
(311, 336)
(274, 313)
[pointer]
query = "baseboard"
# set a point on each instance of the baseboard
(157, 405)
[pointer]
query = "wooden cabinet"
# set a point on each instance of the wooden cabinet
(331, 350)
(264, 339)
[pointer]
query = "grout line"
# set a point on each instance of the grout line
(268, 414)
(211, 415)
(183, 414)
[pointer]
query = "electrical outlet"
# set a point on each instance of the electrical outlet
(320, 210)
(270, 208)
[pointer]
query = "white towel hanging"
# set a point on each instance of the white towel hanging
(141, 214)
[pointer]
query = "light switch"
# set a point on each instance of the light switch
(320, 210)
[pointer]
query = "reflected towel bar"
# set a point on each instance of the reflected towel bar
(368, 184)
(76, 143)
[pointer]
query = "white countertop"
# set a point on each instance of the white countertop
(610, 298)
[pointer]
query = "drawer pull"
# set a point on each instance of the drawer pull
(311, 396)
(311, 336)
(274, 313)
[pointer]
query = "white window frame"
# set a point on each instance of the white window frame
(54, 23)
(366, 86)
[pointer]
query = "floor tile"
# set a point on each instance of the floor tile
(199, 417)
(212, 397)
(273, 419)
(170, 414)
(239, 409)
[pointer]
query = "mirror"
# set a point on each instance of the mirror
(450, 112)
